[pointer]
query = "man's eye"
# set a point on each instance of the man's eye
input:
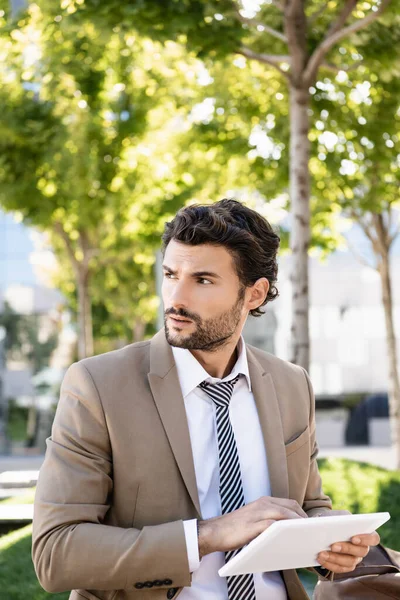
(168, 275)
(202, 280)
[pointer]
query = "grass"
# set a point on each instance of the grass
(26, 498)
(358, 487)
(17, 422)
(17, 576)
(364, 488)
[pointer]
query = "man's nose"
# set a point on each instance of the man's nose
(179, 295)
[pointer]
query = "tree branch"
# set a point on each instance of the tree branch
(292, 6)
(121, 256)
(314, 16)
(59, 230)
(269, 59)
(278, 5)
(258, 24)
(296, 33)
(342, 18)
(335, 35)
(393, 236)
(391, 232)
(363, 224)
(381, 233)
(336, 68)
(358, 256)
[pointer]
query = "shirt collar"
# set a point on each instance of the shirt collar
(191, 373)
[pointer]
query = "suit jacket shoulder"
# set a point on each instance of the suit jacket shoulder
(273, 363)
(133, 357)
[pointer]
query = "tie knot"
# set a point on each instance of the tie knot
(220, 393)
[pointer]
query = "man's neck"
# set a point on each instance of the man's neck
(219, 363)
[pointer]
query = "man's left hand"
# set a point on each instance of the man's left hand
(344, 557)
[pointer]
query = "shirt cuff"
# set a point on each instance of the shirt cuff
(192, 544)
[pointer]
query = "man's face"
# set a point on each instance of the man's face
(203, 297)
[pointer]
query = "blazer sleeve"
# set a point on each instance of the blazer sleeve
(72, 548)
(315, 501)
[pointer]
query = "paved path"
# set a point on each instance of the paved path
(16, 513)
(21, 463)
(375, 455)
(18, 479)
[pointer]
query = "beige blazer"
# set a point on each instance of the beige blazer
(118, 476)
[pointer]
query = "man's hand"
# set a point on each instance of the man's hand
(345, 556)
(235, 529)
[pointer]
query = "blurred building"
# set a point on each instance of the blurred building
(349, 365)
(347, 327)
(24, 286)
(347, 324)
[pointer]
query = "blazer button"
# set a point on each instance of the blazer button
(171, 593)
(139, 585)
(167, 581)
(148, 584)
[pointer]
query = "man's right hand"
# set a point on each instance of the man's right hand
(238, 528)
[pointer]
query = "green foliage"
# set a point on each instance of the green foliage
(17, 576)
(84, 121)
(27, 497)
(11, 321)
(364, 488)
(192, 20)
(17, 422)
(365, 136)
(23, 339)
(100, 142)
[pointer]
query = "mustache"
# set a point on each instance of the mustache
(181, 312)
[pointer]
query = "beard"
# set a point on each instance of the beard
(210, 334)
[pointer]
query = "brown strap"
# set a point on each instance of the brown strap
(378, 561)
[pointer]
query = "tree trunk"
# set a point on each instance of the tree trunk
(31, 424)
(300, 223)
(394, 383)
(138, 330)
(85, 328)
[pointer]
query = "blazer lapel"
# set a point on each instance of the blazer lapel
(165, 387)
(271, 425)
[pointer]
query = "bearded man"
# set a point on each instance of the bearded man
(169, 455)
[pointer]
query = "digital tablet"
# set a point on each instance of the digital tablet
(295, 543)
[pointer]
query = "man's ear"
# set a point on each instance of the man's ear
(258, 293)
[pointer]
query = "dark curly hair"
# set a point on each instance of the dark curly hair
(247, 235)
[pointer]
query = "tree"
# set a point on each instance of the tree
(30, 339)
(82, 111)
(363, 158)
(381, 229)
(296, 38)
(354, 156)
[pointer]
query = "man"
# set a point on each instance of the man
(169, 455)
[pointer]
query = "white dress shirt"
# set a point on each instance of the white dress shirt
(200, 411)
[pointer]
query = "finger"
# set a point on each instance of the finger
(333, 513)
(339, 560)
(279, 513)
(267, 508)
(291, 505)
(335, 568)
(367, 539)
(349, 548)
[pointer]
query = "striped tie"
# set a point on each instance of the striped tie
(240, 587)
